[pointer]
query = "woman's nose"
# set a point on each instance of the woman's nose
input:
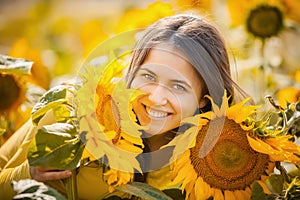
(158, 95)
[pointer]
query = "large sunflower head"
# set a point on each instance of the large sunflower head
(108, 122)
(226, 158)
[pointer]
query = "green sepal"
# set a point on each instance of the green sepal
(17, 66)
(275, 181)
(143, 191)
(258, 192)
(56, 146)
(53, 98)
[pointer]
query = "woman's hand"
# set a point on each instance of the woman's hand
(43, 174)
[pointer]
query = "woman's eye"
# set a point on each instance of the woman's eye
(149, 77)
(179, 87)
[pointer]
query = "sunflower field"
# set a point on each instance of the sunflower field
(48, 47)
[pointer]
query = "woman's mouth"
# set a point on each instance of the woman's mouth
(156, 113)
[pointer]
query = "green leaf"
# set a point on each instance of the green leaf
(175, 194)
(31, 189)
(62, 113)
(17, 66)
(144, 191)
(56, 146)
(276, 182)
(258, 192)
(51, 99)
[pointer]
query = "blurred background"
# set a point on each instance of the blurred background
(57, 35)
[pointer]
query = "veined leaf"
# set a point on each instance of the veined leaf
(143, 190)
(51, 99)
(56, 146)
(36, 117)
(17, 66)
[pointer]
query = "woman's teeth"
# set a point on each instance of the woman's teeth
(155, 113)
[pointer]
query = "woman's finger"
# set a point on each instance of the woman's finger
(48, 174)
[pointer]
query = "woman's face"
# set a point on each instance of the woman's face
(172, 90)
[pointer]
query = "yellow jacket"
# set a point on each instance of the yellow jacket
(90, 185)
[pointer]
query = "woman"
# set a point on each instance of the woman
(178, 61)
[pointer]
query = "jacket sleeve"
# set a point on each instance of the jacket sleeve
(13, 156)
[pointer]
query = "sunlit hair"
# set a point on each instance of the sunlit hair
(200, 42)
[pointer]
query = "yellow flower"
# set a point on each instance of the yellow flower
(141, 18)
(106, 116)
(264, 21)
(39, 74)
(116, 178)
(226, 158)
(91, 34)
(297, 76)
(288, 95)
(194, 4)
(291, 9)
(14, 105)
(240, 10)
(13, 92)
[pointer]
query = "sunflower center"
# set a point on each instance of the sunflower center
(231, 164)
(10, 92)
(108, 115)
(229, 156)
(265, 21)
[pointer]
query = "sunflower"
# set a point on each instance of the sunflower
(288, 95)
(246, 6)
(13, 90)
(226, 158)
(194, 4)
(263, 18)
(106, 118)
(141, 18)
(39, 74)
(91, 34)
(265, 21)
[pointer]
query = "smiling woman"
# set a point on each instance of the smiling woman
(169, 81)
(177, 62)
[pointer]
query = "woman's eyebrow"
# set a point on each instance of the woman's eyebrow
(148, 70)
(182, 82)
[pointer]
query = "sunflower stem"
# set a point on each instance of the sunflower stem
(283, 172)
(71, 186)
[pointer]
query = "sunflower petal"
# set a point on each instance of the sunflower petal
(229, 195)
(218, 195)
(201, 189)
